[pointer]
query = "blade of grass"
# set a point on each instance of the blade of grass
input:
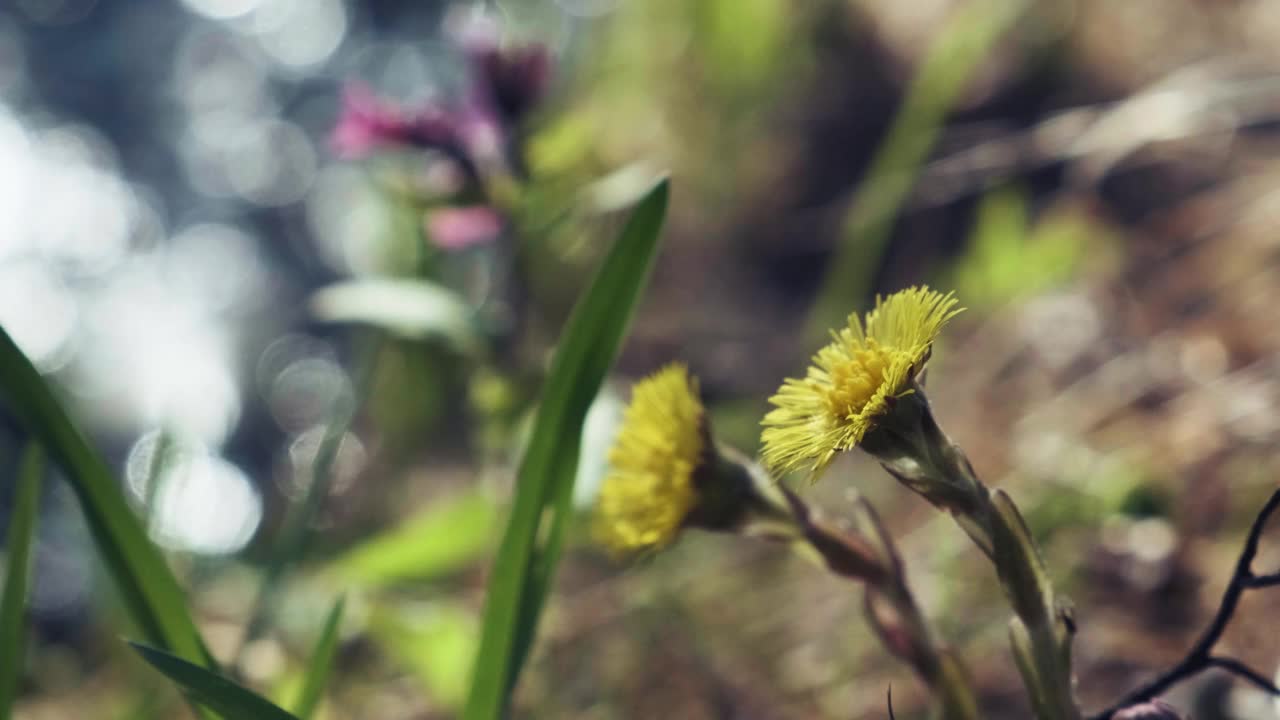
(207, 688)
(947, 67)
(296, 533)
(162, 457)
(151, 593)
(321, 663)
(13, 603)
(615, 310)
(522, 571)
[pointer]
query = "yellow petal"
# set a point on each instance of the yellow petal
(851, 381)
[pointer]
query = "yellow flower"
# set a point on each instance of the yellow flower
(852, 380)
(649, 489)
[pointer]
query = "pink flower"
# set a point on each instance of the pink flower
(463, 227)
(366, 123)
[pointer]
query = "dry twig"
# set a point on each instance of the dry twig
(1201, 657)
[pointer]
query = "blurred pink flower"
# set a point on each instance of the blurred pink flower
(477, 130)
(367, 123)
(463, 227)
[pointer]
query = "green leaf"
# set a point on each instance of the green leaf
(1024, 655)
(1038, 637)
(414, 309)
(443, 538)
(13, 602)
(523, 570)
(151, 593)
(436, 642)
(321, 663)
(207, 688)
(1021, 569)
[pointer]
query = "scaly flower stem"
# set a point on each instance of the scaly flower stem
(920, 455)
(736, 495)
(1042, 632)
(938, 667)
(1041, 637)
(871, 559)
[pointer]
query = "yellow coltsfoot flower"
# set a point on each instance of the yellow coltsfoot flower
(649, 489)
(853, 381)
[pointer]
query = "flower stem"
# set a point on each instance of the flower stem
(869, 557)
(1042, 631)
(739, 496)
(913, 448)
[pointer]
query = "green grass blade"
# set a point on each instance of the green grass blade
(321, 663)
(13, 603)
(207, 688)
(948, 65)
(296, 533)
(151, 593)
(522, 571)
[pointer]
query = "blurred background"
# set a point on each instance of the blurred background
(222, 286)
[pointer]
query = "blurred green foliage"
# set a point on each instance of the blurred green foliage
(444, 537)
(952, 60)
(1010, 257)
(458, 344)
(436, 641)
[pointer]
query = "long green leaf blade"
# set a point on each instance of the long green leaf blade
(522, 572)
(321, 663)
(13, 603)
(231, 701)
(641, 232)
(151, 593)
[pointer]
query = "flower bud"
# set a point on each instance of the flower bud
(512, 80)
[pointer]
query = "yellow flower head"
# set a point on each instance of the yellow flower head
(852, 380)
(649, 489)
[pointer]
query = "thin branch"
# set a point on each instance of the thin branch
(1199, 658)
(1263, 581)
(1239, 669)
